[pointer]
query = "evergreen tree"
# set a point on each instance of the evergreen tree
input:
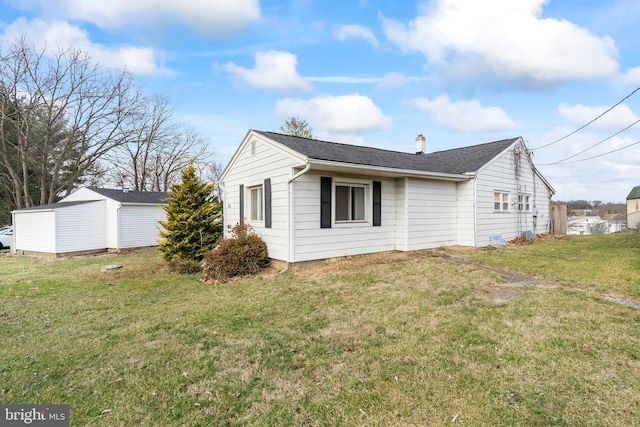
(194, 221)
(297, 127)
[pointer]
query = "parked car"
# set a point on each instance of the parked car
(6, 234)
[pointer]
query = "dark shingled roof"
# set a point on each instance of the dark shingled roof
(56, 205)
(455, 161)
(635, 193)
(151, 197)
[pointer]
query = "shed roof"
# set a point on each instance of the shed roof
(454, 161)
(130, 196)
(635, 193)
(55, 205)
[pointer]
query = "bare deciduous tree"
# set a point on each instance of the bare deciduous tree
(157, 150)
(59, 115)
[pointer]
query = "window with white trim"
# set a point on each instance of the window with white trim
(256, 203)
(350, 202)
(500, 201)
(524, 202)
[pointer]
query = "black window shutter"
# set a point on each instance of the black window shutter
(325, 202)
(377, 203)
(267, 203)
(241, 197)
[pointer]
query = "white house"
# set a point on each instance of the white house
(311, 199)
(90, 220)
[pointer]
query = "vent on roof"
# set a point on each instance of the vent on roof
(420, 144)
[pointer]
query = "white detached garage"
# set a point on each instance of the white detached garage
(90, 220)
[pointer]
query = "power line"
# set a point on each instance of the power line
(587, 124)
(600, 155)
(593, 146)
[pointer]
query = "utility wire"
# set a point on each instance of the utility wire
(589, 148)
(603, 154)
(587, 124)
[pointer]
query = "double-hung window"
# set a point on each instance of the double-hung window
(350, 202)
(524, 202)
(256, 202)
(500, 201)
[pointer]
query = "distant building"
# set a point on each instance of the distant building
(582, 224)
(633, 209)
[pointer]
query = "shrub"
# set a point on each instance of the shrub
(243, 254)
(184, 265)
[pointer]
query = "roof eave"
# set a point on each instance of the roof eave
(331, 166)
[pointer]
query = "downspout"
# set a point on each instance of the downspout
(13, 241)
(224, 210)
(290, 230)
(475, 212)
(118, 229)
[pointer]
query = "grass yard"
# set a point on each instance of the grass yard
(606, 263)
(385, 340)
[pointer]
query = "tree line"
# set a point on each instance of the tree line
(595, 206)
(66, 121)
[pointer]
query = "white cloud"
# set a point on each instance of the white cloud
(344, 79)
(347, 113)
(273, 70)
(631, 77)
(465, 116)
(398, 79)
(60, 34)
(508, 39)
(618, 118)
(355, 31)
(220, 17)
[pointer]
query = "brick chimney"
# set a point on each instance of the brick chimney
(420, 144)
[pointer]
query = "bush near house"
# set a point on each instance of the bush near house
(243, 254)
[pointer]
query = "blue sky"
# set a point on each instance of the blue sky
(377, 73)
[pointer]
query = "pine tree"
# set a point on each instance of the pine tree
(193, 222)
(297, 127)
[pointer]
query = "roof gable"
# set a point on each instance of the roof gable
(455, 161)
(635, 193)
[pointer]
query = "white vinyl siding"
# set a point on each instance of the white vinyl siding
(431, 214)
(465, 211)
(499, 176)
(35, 231)
(80, 228)
(100, 223)
(250, 171)
(64, 229)
(416, 213)
(400, 199)
(138, 225)
(342, 239)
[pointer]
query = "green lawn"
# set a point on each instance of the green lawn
(608, 264)
(387, 340)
